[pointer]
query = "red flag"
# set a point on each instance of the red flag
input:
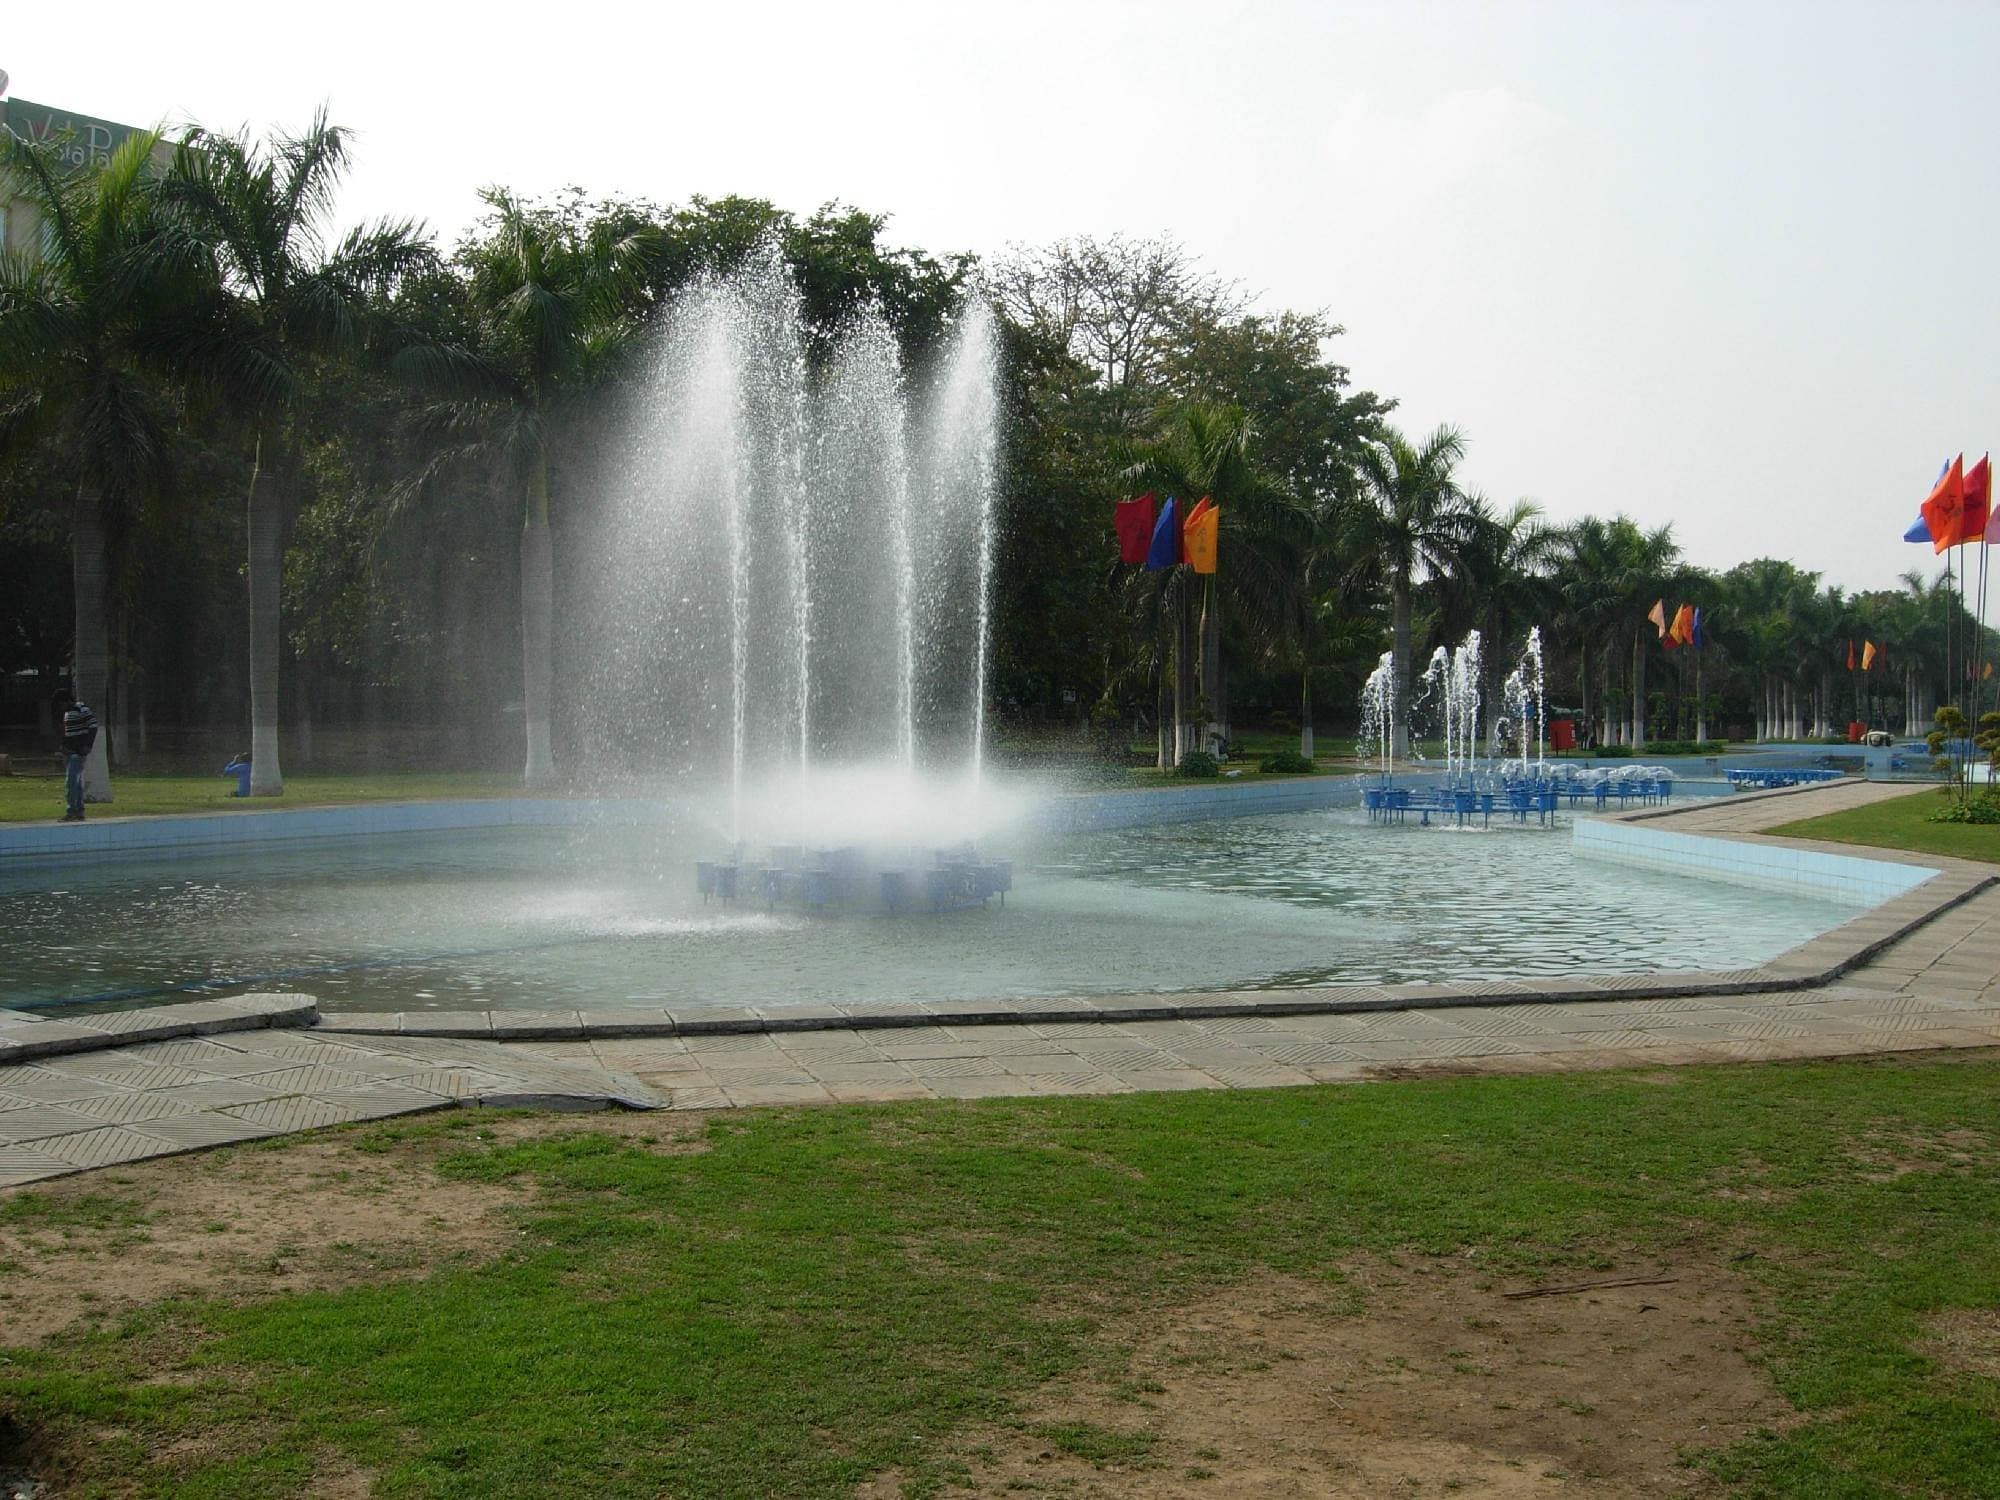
(1682, 629)
(1979, 518)
(1134, 522)
(1944, 511)
(1850, 655)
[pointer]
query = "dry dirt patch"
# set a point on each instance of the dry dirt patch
(1966, 1341)
(1438, 1385)
(323, 1211)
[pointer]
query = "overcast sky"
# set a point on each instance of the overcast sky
(1725, 265)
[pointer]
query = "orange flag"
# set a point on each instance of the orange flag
(1201, 533)
(1658, 615)
(1867, 655)
(1944, 511)
(1682, 629)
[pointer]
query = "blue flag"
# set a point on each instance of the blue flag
(1920, 531)
(1166, 549)
(1695, 632)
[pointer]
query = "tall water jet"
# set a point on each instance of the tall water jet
(961, 448)
(1378, 708)
(791, 595)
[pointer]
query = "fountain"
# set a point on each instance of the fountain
(795, 600)
(1378, 711)
(1446, 699)
(1525, 724)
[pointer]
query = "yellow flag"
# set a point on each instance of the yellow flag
(1201, 533)
(1867, 655)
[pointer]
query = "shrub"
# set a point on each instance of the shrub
(1200, 765)
(1610, 752)
(1287, 762)
(1984, 809)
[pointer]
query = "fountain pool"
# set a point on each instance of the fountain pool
(606, 917)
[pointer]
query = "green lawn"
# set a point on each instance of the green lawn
(793, 1300)
(1901, 823)
(33, 798)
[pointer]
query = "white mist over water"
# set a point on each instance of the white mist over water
(794, 585)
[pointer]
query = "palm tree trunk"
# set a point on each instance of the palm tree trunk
(1163, 699)
(538, 627)
(266, 527)
(1212, 693)
(1638, 691)
(1583, 682)
(1306, 713)
(88, 669)
(1399, 670)
(1700, 703)
(1187, 733)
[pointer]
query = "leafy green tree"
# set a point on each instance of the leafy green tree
(291, 302)
(91, 325)
(553, 303)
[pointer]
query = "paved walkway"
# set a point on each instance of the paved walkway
(102, 1103)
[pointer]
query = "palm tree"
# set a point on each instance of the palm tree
(90, 327)
(1589, 601)
(1410, 521)
(1201, 449)
(1644, 571)
(1502, 586)
(291, 302)
(554, 312)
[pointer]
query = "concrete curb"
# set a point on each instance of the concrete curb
(30, 1037)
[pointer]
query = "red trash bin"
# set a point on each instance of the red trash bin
(1855, 729)
(1562, 734)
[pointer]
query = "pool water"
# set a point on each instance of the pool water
(606, 918)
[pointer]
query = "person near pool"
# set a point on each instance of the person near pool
(79, 734)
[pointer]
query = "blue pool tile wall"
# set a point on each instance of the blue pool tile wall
(1865, 881)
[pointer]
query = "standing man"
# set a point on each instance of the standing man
(79, 734)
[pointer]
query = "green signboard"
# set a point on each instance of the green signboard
(81, 140)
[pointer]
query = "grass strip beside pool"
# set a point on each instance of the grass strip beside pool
(39, 798)
(799, 1302)
(1901, 823)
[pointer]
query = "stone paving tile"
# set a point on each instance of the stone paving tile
(128, 1105)
(123, 1070)
(877, 1093)
(382, 1100)
(777, 1093)
(936, 1070)
(991, 1086)
(19, 1164)
(697, 1098)
(103, 1147)
(309, 1079)
(859, 1073)
(37, 1121)
(1076, 1084)
(36, 1081)
(208, 1128)
(1166, 1079)
(298, 1112)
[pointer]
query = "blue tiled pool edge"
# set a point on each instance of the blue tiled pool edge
(1809, 871)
